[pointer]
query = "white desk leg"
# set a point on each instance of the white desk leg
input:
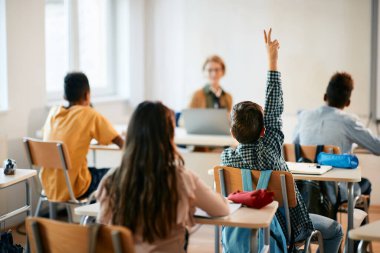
(254, 244)
(28, 194)
(94, 158)
(349, 245)
(217, 239)
(266, 248)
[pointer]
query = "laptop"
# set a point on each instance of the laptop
(308, 168)
(206, 121)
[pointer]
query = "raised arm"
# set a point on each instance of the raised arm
(272, 50)
(274, 105)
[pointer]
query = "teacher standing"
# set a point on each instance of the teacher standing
(212, 95)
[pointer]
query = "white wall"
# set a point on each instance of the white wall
(317, 38)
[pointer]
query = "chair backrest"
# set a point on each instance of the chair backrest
(47, 154)
(51, 236)
(307, 151)
(50, 155)
(233, 182)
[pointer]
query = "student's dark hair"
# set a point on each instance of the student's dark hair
(339, 90)
(143, 190)
(247, 122)
(76, 86)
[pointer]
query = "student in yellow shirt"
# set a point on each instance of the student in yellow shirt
(76, 125)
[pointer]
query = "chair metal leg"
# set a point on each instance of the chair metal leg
(320, 241)
(69, 213)
(217, 239)
(37, 212)
(52, 211)
(362, 247)
(366, 209)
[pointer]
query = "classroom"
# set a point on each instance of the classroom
(189, 126)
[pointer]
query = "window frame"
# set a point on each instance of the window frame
(3, 59)
(112, 89)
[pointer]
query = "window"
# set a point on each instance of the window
(81, 36)
(3, 59)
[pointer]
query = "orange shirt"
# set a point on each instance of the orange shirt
(76, 127)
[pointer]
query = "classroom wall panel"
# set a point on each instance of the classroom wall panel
(317, 38)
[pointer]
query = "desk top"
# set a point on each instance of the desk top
(361, 151)
(111, 147)
(336, 174)
(369, 232)
(181, 137)
(244, 217)
(20, 175)
(88, 210)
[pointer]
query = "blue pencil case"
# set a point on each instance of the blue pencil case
(346, 161)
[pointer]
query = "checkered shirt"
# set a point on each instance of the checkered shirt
(266, 153)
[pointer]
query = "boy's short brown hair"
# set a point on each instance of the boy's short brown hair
(247, 122)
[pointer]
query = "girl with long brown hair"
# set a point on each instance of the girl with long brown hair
(151, 193)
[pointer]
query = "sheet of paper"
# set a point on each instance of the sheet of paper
(200, 213)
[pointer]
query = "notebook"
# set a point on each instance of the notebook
(206, 121)
(233, 208)
(308, 168)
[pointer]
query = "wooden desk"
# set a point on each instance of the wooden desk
(350, 176)
(21, 175)
(244, 217)
(366, 234)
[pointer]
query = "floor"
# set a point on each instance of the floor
(202, 240)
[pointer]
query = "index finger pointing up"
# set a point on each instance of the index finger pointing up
(265, 37)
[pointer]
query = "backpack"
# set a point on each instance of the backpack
(319, 197)
(238, 240)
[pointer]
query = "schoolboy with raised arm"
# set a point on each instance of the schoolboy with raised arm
(260, 137)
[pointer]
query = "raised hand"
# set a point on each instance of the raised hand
(272, 50)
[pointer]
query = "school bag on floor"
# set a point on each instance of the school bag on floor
(238, 240)
(6, 244)
(319, 197)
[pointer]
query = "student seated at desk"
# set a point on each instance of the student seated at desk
(329, 124)
(260, 140)
(76, 125)
(151, 192)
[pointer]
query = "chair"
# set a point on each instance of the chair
(51, 236)
(228, 180)
(52, 155)
(309, 151)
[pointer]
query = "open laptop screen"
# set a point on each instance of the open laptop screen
(206, 121)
